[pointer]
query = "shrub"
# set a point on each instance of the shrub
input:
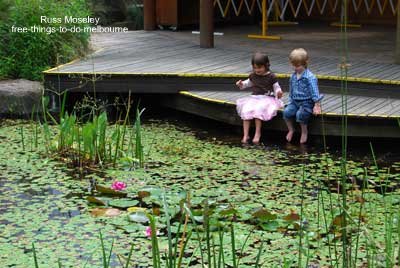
(26, 55)
(135, 14)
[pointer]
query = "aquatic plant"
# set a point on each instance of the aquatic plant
(118, 186)
(84, 139)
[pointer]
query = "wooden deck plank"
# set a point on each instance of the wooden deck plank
(365, 102)
(373, 110)
(130, 60)
(336, 102)
(395, 76)
(216, 67)
(324, 67)
(226, 96)
(329, 100)
(363, 108)
(389, 73)
(181, 64)
(144, 47)
(361, 69)
(353, 102)
(208, 65)
(350, 107)
(369, 70)
(396, 109)
(386, 109)
(132, 53)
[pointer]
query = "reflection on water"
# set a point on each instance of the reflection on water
(386, 150)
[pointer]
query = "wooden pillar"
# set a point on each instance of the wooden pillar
(206, 23)
(397, 55)
(149, 12)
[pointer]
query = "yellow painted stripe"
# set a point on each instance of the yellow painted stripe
(228, 75)
(60, 66)
(52, 70)
(193, 95)
(187, 93)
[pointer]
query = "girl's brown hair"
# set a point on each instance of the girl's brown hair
(260, 58)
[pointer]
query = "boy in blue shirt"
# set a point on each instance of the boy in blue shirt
(304, 97)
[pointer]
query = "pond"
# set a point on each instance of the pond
(283, 197)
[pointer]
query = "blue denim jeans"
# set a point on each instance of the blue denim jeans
(301, 110)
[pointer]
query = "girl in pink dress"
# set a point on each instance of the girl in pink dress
(264, 102)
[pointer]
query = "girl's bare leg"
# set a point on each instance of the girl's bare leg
(290, 127)
(304, 133)
(257, 135)
(246, 128)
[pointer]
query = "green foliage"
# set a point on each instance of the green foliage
(26, 55)
(135, 14)
(4, 8)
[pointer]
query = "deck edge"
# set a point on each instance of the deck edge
(193, 95)
(221, 75)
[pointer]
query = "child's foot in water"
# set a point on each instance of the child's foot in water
(256, 140)
(303, 138)
(289, 136)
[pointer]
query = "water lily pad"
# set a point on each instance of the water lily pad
(136, 209)
(149, 191)
(96, 200)
(292, 217)
(271, 226)
(109, 212)
(109, 191)
(132, 228)
(143, 194)
(227, 212)
(264, 215)
(139, 217)
(123, 203)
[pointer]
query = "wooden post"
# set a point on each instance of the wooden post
(149, 12)
(397, 56)
(206, 23)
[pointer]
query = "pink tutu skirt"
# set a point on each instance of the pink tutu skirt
(258, 106)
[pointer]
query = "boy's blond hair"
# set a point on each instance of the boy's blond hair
(298, 56)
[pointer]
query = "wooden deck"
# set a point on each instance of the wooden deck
(166, 62)
(363, 121)
(154, 53)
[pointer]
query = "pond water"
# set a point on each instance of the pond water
(43, 201)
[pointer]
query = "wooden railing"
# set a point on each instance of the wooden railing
(295, 8)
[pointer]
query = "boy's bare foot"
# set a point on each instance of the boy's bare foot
(289, 136)
(304, 133)
(303, 138)
(245, 140)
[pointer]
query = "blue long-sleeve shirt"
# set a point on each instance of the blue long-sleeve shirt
(304, 88)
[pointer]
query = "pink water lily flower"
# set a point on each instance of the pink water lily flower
(118, 186)
(148, 231)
